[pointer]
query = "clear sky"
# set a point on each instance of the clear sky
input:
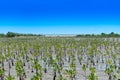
(60, 16)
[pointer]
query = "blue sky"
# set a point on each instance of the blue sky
(60, 16)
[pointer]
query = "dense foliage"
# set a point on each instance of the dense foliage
(12, 34)
(112, 34)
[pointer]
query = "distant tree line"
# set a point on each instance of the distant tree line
(12, 34)
(112, 34)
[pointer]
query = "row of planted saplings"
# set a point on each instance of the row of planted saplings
(24, 54)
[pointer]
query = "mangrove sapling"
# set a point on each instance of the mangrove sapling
(114, 57)
(108, 63)
(12, 62)
(35, 77)
(10, 77)
(36, 65)
(20, 70)
(110, 72)
(59, 63)
(118, 72)
(84, 69)
(80, 60)
(2, 59)
(55, 67)
(61, 77)
(38, 69)
(45, 64)
(47, 60)
(30, 64)
(70, 73)
(92, 75)
(54, 76)
(9, 61)
(2, 72)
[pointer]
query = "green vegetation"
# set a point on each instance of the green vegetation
(12, 34)
(44, 58)
(103, 35)
(112, 34)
